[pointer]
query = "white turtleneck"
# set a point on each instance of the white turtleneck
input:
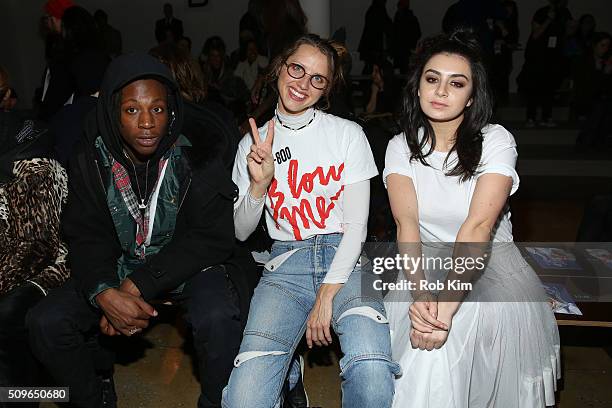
(295, 122)
(344, 142)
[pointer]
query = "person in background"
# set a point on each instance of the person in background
(541, 75)
(593, 93)
(168, 28)
(505, 43)
(587, 26)
(283, 21)
(596, 223)
(8, 96)
(33, 192)
(252, 22)
(111, 37)
(184, 43)
(54, 91)
(375, 38)
(471, 14)
(80, 57)
(223, 86)
(8, 99)
(66, 126)
(187, 75)
(184, 46)
(405, 35)
(385, 91)
(252, 66)
(591, 73)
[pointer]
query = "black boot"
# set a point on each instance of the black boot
(109, 396)
(297, 397)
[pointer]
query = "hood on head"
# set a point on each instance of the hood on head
(121, 72)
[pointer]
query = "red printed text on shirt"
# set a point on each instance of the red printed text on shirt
(306, 184)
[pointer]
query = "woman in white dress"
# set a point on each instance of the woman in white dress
(449, 176)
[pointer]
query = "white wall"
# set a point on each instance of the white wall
(22, 50)
(137, 17)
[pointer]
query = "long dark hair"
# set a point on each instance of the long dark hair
(468, 140)
(189, 78)
(335, 53)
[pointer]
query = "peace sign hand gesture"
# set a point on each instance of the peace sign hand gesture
(260, 161)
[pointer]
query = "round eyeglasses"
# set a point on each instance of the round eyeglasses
(296, 71)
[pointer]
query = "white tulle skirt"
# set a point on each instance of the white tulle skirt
(502, 350)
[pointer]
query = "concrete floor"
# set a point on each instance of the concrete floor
(164, 378)
(159, 371)
(548, 207)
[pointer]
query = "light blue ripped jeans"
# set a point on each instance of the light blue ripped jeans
(280, 308)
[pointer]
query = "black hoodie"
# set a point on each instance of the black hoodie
(204, 233)
(124, 70)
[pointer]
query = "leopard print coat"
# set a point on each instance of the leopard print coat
(30, 206)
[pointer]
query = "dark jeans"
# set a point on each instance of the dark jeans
(59, 326)
(18, 367)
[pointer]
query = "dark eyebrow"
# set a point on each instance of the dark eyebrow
(452, 76)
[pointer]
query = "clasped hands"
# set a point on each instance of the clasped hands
(125, 312)
(431, 322)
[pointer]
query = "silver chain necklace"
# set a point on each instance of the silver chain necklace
(142, 205)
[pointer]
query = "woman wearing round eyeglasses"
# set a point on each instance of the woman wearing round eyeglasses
(310, 171)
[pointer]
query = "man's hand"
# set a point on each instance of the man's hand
(128, 286)
(107, 328)
(125, 312)
(317, 327)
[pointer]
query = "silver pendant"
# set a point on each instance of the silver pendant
(142, 206)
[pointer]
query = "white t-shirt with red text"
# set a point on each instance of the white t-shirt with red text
(311, 167)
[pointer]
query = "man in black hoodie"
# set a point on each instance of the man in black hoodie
(149, 216)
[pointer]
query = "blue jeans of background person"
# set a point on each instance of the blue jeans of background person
(277, 320)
